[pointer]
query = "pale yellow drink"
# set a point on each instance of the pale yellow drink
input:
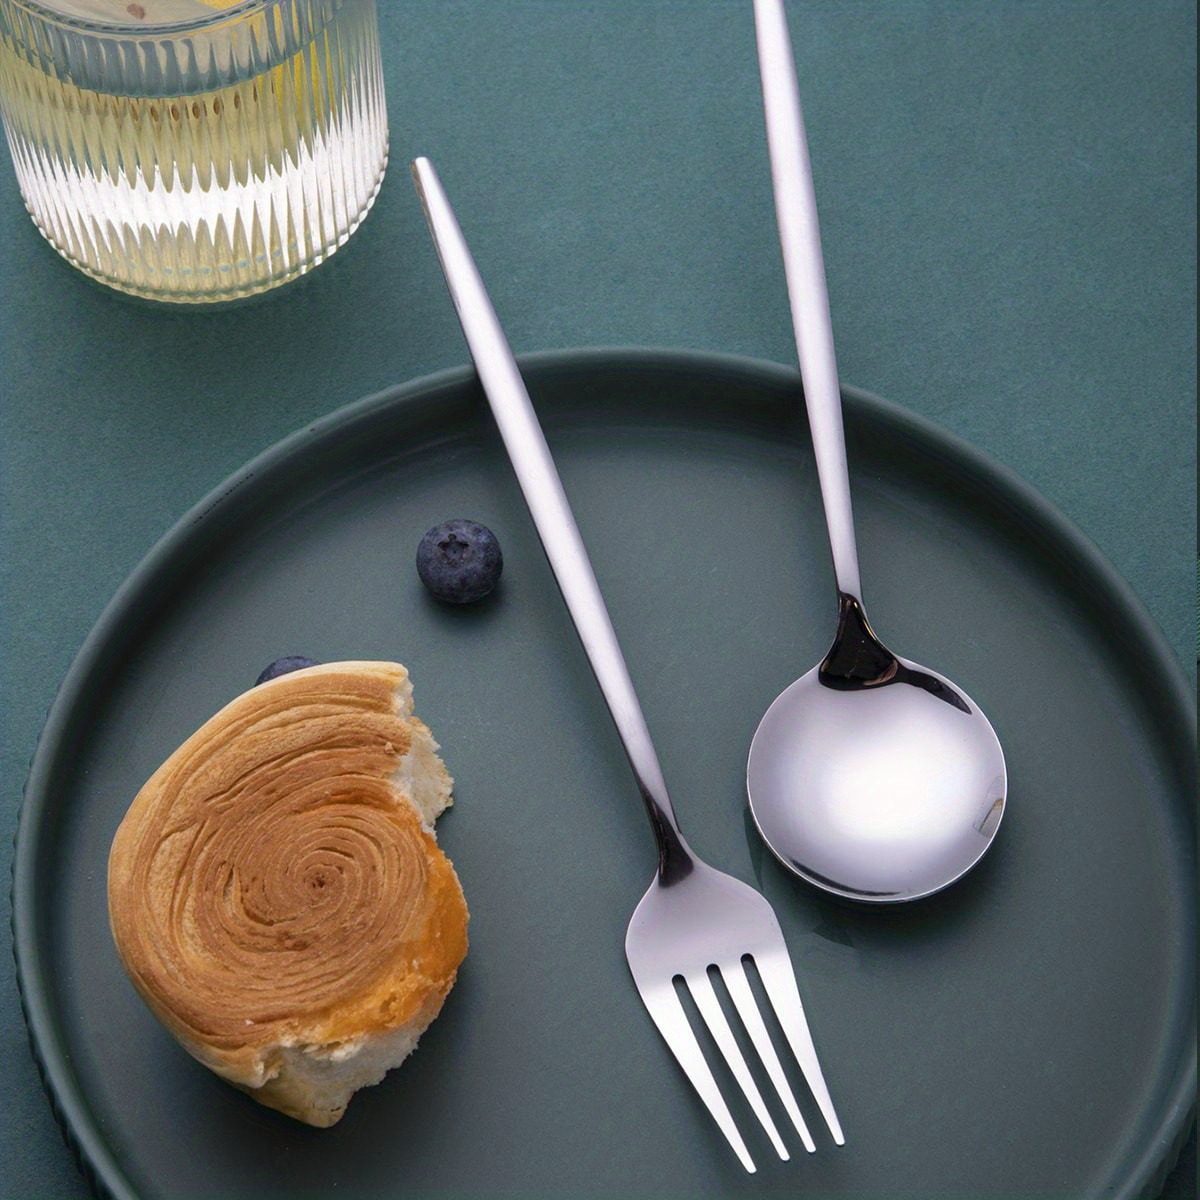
(184, 153)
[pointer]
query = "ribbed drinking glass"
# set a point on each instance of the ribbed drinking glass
(194, 150)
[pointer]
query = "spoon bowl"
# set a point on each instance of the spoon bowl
(879, 790)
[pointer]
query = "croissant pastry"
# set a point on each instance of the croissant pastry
(276, 893)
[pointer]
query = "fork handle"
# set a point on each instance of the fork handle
(548, 505)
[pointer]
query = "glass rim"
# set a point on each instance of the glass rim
(46, 12)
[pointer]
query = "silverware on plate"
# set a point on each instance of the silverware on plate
(694, 922)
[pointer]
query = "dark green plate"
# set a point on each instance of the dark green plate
(1028, 1032)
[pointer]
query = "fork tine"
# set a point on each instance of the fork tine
(672, 1021)
(734, 976)
(710, 1009)
(775, 970)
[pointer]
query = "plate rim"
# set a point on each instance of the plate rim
(67, 1101)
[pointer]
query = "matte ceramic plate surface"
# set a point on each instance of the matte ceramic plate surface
(1028, 1032)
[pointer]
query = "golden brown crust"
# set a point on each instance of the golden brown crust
(274, 885)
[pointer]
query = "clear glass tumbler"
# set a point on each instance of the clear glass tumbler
(194, 150)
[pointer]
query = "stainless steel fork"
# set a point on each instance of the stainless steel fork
(695, 924)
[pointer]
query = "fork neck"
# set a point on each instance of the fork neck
(675, 859)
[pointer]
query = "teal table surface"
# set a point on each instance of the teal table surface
(1007, 194)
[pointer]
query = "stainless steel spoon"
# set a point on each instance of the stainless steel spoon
(871, 777)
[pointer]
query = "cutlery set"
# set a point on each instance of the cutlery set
(871, 777)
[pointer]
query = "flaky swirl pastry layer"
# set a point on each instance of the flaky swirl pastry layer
(276, 883)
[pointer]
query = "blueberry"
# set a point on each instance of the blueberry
(459, 561)
(285, 665)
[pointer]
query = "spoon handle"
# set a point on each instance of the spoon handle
(804, 269)
(548, 505)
